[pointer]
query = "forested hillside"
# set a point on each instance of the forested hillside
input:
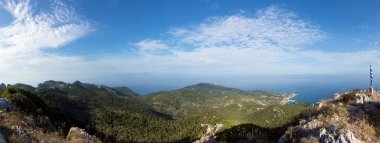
(117, 114)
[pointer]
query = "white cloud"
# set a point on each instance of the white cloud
(270, 27)
(151, 46)
(273, 41)
(22, 41)
(49, 29)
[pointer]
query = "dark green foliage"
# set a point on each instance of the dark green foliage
(308, 112)
(327, 110)
(261, 131)
(230, 103)
(28, 103)
(115, 118)
(24, 86)
(278, 115)
(24, 100)
(122, 91)
(350, 97)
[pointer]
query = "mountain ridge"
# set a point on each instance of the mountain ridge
(113, 117)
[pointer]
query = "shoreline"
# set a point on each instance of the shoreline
(287, 100)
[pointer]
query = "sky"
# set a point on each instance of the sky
(168, 42)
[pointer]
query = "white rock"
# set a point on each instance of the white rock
(77, 132)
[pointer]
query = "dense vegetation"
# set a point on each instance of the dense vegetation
(119, 115)
(30, 104)
(205, 98)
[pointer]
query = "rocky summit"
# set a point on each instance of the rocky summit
(351, 117)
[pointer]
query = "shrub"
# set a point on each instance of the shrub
(24, 101)
(308, 112)
(327, 110)
(349, 98)
(342, 112)
(309, 140)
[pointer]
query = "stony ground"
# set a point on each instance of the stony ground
(350, 117)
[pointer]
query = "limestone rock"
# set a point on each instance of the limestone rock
(348, 137)
(206, 139)
(79, 135)
(361, 98)
(211, 130)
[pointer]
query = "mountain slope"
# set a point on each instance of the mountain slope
(198, 99)
(117, 118)
(25, 117)
(184, 115)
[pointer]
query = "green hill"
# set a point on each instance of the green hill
(114, 117)
(117, 114)
(229, 103)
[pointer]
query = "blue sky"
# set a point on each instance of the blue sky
(99, 40)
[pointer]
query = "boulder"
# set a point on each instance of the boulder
(361, 98)
(337, 96)
(319, 104)
(348, 137)
(79, 135)
(6, 104)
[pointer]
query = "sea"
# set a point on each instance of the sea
(309, 88)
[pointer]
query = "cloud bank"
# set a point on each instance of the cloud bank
(271, 41)
(23, 40)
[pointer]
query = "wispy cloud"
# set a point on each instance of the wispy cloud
(155, 46)
(273, 41)
(22, 41)
(48, 29)
(272, 26)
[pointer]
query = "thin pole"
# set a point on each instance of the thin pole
(371, 78)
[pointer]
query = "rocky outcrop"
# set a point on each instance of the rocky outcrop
(348, 118)
(333, 135)
(5, 104)
(211, 130)
(361, 98)
(80, 135)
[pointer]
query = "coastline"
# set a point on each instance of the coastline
(288, 99)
